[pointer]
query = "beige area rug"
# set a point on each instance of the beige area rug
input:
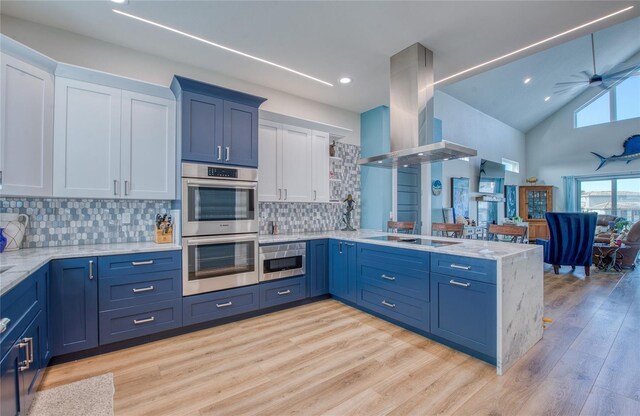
(92, 396)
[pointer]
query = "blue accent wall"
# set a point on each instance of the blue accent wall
(375, 183)
(436, 173)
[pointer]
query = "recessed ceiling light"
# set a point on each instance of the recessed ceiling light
(379, 161)
(405, 166)
(527, 80)
(121, 1)
(345, 80)
(547, 98)
(533, 45)
(420, 154)
(217, 45)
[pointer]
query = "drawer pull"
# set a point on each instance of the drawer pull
(142, 289)
(391, 278)
(349, 244)
(30, 342)
(90, 269)
(144, 321)
(224, 305)
(457, 266)
(453, 282)
(142, 263)
(24, 365)
(284, 292)
(4, 324)
(389, 305)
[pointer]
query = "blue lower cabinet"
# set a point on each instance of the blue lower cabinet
(343, 270)
(73, 319)
(215, 305)
(125, 265)
(401, 308)
(482, 270)
(11, 380)
(137, 321)
(463, 311)
(138, 289)
(279, 292)
(317, 267)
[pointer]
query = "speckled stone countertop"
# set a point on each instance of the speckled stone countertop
(491, 250)
(24, 262)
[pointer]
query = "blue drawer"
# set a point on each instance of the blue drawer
(403, 309)
(123, 265)
(398, 280)
(411, 262)
(465, 267)
(279, 292)
(216, 305)
(139, 289)
(20, 305)
(121, 324)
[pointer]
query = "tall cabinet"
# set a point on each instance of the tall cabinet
(535, 202)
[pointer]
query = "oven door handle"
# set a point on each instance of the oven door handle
(219, 240)
(210, 183)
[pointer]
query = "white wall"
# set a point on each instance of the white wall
(493, 140)
(92, 53)
(556, 149)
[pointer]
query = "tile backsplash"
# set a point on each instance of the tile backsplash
(64, 222)
(293, 217)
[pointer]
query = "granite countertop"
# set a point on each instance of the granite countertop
(491, 250)
(26, 261)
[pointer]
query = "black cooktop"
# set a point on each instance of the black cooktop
(407, 239)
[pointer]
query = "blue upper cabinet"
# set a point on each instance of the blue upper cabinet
(218, 125)
(74, 305)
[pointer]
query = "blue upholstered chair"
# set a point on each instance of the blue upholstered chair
(571, 240)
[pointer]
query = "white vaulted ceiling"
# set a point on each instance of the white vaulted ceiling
(327, 40)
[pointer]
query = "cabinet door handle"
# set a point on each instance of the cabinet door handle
(224, 305)
(389, 305)
(4, 324)
(315, 194)
(24, 365)
(457, 266)
(391, 278)
(90, 269)
(279, 194)
(284, 292)
(285, 194)
(115, 187)
(142, 263)
(126, 188)
(29, 349)
(219, 152)
(143, 289)
(340, 247)
(144, 321)
(453, 282)
(228, 153)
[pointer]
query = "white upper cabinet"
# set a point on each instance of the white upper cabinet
(26, 139)
(296, 164)
(86, 140)
(269, 161)
(293, 163)
(148, 146)
(320, 166)
(113, 143)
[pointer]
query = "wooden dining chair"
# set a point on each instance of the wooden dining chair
(513, 233)
(442, 229)
(402, 227)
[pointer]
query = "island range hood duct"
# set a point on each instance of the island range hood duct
(411, 110)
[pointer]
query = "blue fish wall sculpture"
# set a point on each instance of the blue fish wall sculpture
(631, 152)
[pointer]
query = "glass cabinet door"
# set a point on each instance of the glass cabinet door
(536, 204)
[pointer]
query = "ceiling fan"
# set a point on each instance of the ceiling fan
(593, 79)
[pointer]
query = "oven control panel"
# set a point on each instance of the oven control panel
(222, 172)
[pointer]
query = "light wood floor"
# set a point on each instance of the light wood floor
(327, 358)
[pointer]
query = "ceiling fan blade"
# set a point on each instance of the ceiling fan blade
(622, 73)
(572, 83)
(586, 74)
(561, 92)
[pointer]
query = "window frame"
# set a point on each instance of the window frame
(614, 187)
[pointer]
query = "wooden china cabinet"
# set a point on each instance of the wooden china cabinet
(535, 201)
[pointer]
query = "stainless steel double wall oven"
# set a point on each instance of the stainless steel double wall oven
(219, 227)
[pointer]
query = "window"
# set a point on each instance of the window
(620, 102)
(611, 196)
(511, 165)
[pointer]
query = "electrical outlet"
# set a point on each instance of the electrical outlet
(126, 218)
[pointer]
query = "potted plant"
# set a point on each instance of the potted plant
(621, 225)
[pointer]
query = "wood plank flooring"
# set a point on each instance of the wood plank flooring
(329, 359)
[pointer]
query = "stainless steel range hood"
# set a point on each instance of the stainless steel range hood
(411, 110)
